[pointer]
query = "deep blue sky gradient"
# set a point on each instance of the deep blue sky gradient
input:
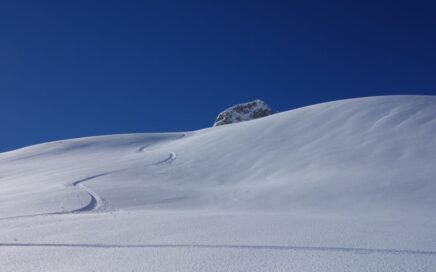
(79, 68)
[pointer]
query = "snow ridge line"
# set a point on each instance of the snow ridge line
(248, 247)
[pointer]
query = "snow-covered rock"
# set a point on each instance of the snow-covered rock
(243, 112)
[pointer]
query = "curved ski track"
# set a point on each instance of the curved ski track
(94, 204)
(171, 155)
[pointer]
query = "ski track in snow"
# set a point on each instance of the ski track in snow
(143, 148)
(96, 203)
(246, 247)
(171, 155)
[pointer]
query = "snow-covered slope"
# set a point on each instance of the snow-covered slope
(310, 189)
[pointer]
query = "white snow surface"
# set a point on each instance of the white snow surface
(347, 185)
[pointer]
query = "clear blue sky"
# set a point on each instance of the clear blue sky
(79, 68)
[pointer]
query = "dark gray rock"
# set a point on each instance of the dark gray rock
(243, 112)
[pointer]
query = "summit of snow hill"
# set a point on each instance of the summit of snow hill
(309, 189)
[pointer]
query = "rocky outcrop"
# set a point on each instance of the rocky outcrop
(243, 112)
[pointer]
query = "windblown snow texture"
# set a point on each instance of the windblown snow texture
(340, 186)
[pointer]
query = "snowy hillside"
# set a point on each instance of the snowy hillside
(341, 186)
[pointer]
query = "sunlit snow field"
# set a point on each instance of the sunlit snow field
(348, 185)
